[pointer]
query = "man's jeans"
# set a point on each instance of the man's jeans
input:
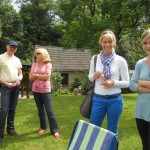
(43, 100)
(9, 99)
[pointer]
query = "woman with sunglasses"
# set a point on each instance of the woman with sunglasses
(110, 76)
(40, 75)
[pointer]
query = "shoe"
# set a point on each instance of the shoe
(40, 132)
(12, 133)
(56, 135)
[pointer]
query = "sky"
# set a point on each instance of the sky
(15, 5)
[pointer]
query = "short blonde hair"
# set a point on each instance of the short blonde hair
(108, 34)
(145, 36)
(44, 53)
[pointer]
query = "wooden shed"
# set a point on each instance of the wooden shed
(69, 62)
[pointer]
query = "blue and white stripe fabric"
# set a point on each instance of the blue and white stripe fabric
(87, 136)
(106, 60)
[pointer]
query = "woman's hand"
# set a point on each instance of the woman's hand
(35, 75)
(144, 83)
(98, 75)
(32, 76)
(140, 82)
(108, 83)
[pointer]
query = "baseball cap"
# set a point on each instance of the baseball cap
(13, 43)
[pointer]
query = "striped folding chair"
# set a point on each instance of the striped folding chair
(87, 136)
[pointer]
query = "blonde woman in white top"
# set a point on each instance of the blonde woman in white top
(110, 76)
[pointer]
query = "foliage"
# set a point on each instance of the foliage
(61, 91)
(76, 83)
(130, 48)
(56, 80)
(85, 83)
(39, 23)
(66, 109)
(10, 25)
(85, 20)
(74, 24)
(34, 24)
(37, 20)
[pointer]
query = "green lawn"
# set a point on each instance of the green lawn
(66, 110)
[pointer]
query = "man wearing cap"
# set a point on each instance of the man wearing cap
(10, 77)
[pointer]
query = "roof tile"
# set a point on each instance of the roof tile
(68, 59)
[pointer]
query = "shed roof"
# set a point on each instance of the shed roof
(68, 59)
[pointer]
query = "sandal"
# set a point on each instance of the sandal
(56, 135)
(40, 132)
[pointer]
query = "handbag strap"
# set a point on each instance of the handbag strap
(92, 84)
(95, 60)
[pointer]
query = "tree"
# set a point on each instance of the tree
(38, 20)
(75, 24)
(38, 26)
(10, 24)
(84, 21)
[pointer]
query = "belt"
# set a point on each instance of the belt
(108, 96)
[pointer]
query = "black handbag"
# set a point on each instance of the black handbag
(85, 108)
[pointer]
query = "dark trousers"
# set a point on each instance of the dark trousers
(9, 99)
(44, 102)
(144, 131)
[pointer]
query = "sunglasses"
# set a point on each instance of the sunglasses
(38, 53)
(107, 32)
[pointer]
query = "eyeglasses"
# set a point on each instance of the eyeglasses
(38, 53)
(12, 46)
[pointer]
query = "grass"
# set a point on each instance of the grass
(66, 109)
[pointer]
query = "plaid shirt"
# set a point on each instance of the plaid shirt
(41, 86)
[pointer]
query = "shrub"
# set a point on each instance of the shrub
(75, 84)
(62, 92)
(56, 79)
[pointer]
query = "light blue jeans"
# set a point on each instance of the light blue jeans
(112, 107)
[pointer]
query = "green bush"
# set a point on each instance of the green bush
(75, 84)
(56, 79)
(60, 92)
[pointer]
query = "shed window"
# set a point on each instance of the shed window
(65, 79)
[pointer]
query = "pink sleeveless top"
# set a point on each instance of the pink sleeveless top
(41, 86)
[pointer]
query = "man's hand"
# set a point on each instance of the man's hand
(11, 85)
